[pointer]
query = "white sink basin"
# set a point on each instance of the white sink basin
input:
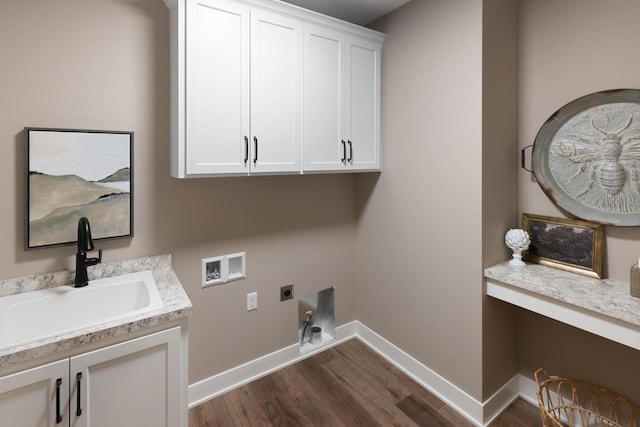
(37, 315)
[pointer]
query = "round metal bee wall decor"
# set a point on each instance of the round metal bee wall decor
(586, 157)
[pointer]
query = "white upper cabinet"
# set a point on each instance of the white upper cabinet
(260, 87)
(276, 93)
(363, 105)
(244, 90)
(325, 76)
(217, 88)
(342, 102)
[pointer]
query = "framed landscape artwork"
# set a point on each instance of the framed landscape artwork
(567, 244)
(75, 173)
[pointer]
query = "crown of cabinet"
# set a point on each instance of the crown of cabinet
(263, 87)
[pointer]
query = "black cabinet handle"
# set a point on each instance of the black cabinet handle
(78, 399)
(246, 149)
(344, 151)
(350, 159)
(58, 415)
(255, 154)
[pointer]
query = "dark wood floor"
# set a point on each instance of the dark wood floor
(347, 385)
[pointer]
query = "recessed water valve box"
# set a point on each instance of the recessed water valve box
(212, 271)
(223, 269)
(316, 319)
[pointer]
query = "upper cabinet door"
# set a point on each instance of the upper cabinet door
(363, 105)
(276, 93)
(342, 102)
(217, 87)
(324, 99)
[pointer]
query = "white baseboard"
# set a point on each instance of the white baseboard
(528, 389)
(223, 382)
(500, 400)
(427, 378)
(480, 413)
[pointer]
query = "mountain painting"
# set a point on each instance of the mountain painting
(71, 174)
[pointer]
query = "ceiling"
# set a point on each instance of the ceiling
(359, 12)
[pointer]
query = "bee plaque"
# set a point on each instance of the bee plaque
(586, 157)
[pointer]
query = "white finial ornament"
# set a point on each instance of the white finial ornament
(517, 240)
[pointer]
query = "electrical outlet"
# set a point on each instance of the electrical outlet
(252, 301)
(286, 292)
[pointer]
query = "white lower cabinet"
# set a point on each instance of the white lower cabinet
(130, 384)
(37, 397)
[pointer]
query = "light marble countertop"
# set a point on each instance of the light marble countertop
(176, 305)
(609, 298)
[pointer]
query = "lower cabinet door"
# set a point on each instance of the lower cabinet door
(132, 384)
(37, 397)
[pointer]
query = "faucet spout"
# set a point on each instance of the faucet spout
(85, 244)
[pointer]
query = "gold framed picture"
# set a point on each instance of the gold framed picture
(567, 244)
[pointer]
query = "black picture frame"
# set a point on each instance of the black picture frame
(71, 173)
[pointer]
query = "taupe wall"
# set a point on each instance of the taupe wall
(568, 49)
(419, 241)
(95, 64)
(422, 231)
(499, 180)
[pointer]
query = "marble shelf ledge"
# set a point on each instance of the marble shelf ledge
(602, 307)
(176, 305)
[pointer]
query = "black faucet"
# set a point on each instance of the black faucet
(85, 244)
